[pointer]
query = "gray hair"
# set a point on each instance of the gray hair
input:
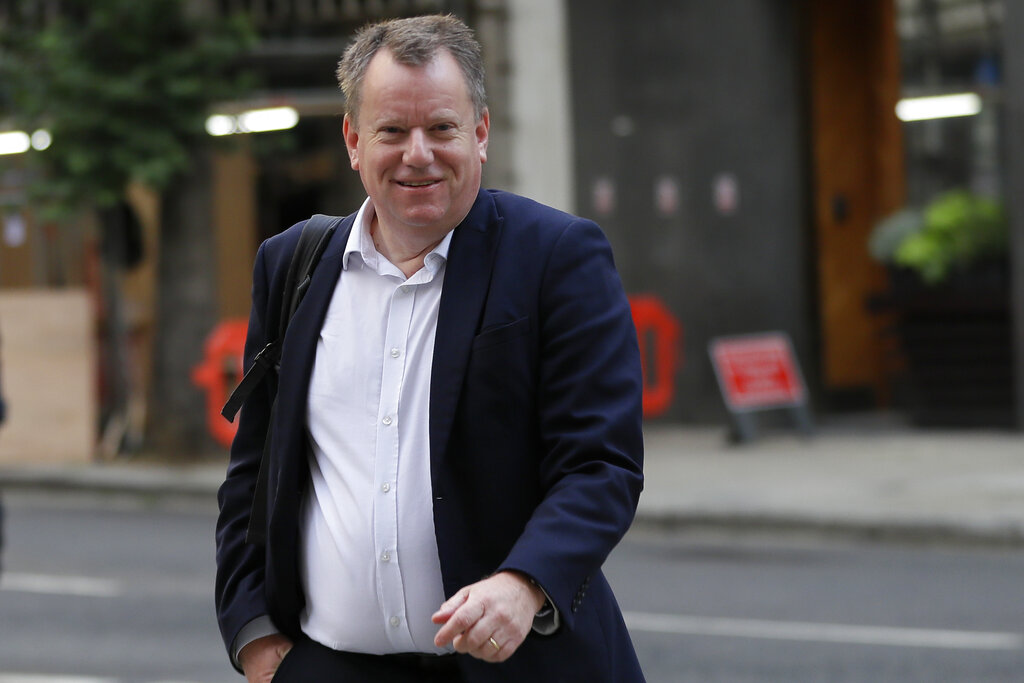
(413, 42)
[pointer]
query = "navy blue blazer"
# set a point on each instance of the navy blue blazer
(535, 433)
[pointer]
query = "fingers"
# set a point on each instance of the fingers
(497, 646)
(458, 615)
(260, 658)
(488, 620)
(492, 649)
(444, 613)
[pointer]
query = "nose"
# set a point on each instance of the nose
(418, 152)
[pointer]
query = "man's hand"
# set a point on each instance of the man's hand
(491, 618)
(260, 658)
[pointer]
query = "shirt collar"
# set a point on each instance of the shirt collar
(360, 242)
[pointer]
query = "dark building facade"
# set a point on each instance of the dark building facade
(690, 151)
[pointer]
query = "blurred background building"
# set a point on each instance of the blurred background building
(740, 154)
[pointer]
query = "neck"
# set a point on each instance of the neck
(406, 252)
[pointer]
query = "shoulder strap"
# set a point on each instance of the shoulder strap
(316, 233)
(313, 240)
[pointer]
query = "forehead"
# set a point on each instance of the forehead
(389, 84)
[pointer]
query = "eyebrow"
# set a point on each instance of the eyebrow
(443, 114)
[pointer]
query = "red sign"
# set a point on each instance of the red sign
(659, 335)
(757, 371)
(219, 372)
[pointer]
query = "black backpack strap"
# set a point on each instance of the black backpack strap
(313, 240)
(265, 360)
(316, 233)
(256, 532)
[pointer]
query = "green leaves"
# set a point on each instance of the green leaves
(123, 86)
(959, 229)
(956, 230)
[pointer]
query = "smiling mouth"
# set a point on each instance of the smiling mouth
(420, 183)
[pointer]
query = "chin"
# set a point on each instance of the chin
(425, 219)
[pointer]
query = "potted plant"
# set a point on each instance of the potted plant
(949, 288)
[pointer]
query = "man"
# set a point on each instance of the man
(457, 439)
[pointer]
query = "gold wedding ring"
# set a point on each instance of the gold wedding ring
(495, 644)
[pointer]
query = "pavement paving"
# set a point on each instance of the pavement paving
(900, 484)
(878, 481)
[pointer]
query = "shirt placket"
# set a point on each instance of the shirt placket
(385, 515)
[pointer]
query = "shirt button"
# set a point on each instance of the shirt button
(395, 353)
(404, 289)
(387, 420)
(394, 621)
(385, 556)
(385, 487)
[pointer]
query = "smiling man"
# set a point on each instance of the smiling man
(457, 437)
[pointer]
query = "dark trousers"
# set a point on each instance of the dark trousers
(311, 662)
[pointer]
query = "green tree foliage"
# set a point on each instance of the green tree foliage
(124, 88)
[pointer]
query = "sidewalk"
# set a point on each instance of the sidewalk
(894, 483)
(879, 481)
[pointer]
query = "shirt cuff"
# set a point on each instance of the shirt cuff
(260, 627)
(547, 620)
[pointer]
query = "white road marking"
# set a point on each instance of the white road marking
(59, 585)
(43, 678)
(40, 678)
(824, 633)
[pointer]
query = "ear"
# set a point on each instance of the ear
(348, 130)
(483, 127)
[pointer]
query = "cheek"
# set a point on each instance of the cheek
(375, 162)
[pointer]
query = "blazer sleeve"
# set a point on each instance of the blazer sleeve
(240, 595)
(589, 416)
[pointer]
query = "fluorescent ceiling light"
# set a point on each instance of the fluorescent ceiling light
(41, 140)
(219, 124)
(939, 107)
(14, 142)
(17, 142)
(262, 120)
(253, 121)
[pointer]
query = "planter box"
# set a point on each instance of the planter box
(956, 343)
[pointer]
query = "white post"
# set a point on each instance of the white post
(540, 98)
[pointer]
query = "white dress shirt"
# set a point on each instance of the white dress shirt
(369, 563)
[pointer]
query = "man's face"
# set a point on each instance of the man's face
(418, 145)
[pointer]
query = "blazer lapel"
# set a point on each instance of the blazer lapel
(466, 282)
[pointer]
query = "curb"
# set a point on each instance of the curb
(146, 482)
